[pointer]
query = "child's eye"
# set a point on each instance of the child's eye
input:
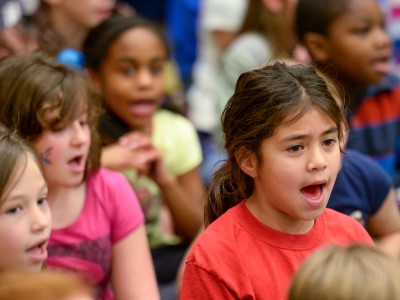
(330, 142)
(83, 122)
(363, 30)
(13, 210)
(58, 128)
(129, 71)
(42, 201)
(155, 70)
(295, 148)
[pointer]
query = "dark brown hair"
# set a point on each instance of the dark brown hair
(100, 39)
(318, 15)
(262, 99)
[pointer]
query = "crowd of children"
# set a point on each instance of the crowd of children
(107, 191)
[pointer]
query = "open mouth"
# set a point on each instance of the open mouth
(38, 248)
(382, 65)
(77, 160)
(313, 192)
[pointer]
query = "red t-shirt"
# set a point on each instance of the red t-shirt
(238, 257)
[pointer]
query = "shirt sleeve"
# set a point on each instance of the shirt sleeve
(200, 284)
(127, 214)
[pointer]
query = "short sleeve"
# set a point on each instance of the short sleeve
(177, 139)
(126, 213)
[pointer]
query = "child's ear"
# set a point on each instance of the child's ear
(317, 46)
(247, 162)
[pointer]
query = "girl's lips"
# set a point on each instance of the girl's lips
(142, 109)
(77, 163)
(38, 252)
(314, 194)
(381, 65)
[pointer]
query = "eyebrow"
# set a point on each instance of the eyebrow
(297, 137)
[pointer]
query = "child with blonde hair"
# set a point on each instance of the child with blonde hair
(25, 218)
(357, 272)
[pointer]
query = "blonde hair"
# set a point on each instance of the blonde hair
(13, 159)
(352, 272)
(45, 285)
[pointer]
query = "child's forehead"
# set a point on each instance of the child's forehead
(15, 173)
(360, 8)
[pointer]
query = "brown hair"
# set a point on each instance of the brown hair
(269, 24)
(13, 157)
(37, 94)
(45, 285)
(263, 98)
(347, 272)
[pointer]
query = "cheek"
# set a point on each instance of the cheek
(116, 91)
(11, 239)
(336, 161)
(46, 155)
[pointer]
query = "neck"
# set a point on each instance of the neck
(281, 223)
(66, 203)
(71, 33)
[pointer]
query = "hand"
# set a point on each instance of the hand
(132, 151)
(135, 150)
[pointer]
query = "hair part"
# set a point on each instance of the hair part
(262, 99)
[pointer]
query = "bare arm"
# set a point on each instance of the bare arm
(384, 226)
(184, 197)
(133, 275)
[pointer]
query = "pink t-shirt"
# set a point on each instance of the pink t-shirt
(111, 212)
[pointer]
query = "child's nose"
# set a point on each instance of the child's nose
(41, 218)
(316, 161)
(80, 135)
(144, 77)
(382, 38)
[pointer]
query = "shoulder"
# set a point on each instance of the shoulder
(250, 41)
(391, 83)
(167, 124)
(107, 177)
(225, 15)
(358, 165)
(338, 222)
(107, 184)
(164, 116)
(218, 240)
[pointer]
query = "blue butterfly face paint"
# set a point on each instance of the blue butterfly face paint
(45, 156)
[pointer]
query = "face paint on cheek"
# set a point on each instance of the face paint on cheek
(45, 156)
